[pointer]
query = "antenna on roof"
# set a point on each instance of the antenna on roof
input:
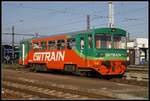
(111, 15)
(88, 22)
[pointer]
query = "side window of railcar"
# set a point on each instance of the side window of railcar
(51, 45)
(60, 44)
(81, 43)
(43, 45)
(71, 44)
(89, 41)
(36, 46)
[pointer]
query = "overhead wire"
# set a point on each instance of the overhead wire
(74, 22)
(84, 20)
(62, 25)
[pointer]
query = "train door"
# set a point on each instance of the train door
(83, 47)
(25, 46)
(89, 45)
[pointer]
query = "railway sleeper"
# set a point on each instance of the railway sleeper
(22, 94)
(138, 77)
(43, 92)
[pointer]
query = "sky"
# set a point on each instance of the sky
(50, 18)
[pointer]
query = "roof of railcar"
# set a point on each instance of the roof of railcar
(97, 30)
(86, 31)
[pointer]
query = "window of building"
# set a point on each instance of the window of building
(51, 45)
(71, 44)
(61, 44)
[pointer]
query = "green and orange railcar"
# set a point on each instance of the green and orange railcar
(102, 50)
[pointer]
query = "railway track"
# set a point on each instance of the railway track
(137, 74)
(133, 76)
(141, 77)
(138, 70)
(130, 81)
(34, 89)
(28, 85)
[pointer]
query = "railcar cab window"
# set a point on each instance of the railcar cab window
(81, 43)
(60, 44)
(36, 46)
(43, 45)
(103, 41)
(51, 45)
(119, 42)
(71, 44)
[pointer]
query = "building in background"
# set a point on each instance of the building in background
(138, 51)
(7, 53)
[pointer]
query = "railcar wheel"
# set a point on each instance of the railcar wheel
(99, 76)
(37, 68)
(45, 69)
(40, 68)
(70, 68)
(32, 69)
(120, 76)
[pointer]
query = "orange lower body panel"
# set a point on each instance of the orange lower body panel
(57, 58)
(115, 68)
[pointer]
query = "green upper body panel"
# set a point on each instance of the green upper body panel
(111, 31)
(93, 52)
(27, 46)
(101, 53)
